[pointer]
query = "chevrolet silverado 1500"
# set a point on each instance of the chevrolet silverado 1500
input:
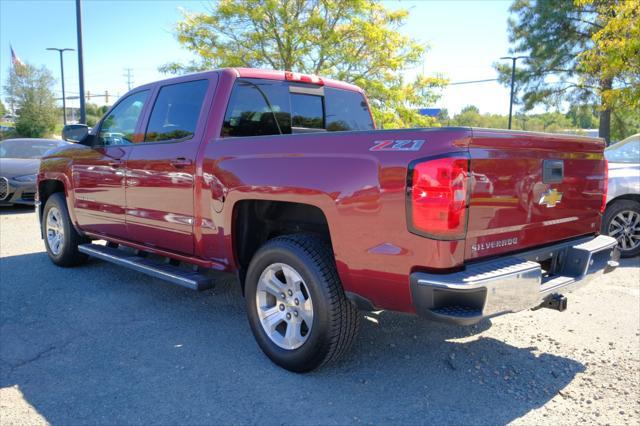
(283, 180)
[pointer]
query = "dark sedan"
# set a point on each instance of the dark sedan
(19, 163)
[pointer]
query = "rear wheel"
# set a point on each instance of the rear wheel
(60, 237)
(296, 306)
(622, 222)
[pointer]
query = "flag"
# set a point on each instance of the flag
(17, 62)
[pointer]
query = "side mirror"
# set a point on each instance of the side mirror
(75, 132)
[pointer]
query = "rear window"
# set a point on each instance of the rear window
(307, 111)
(26, 148)
(260, 107)
(627, 151)
(176, 111)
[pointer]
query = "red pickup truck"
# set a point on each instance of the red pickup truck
(283, 180)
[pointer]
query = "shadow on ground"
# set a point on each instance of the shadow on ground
(630, 262)
(99, 344)
(15, 209)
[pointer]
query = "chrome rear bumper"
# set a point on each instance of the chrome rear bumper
(514, 283)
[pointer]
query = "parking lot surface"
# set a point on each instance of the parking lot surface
(99, 344)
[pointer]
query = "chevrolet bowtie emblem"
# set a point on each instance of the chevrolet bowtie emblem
(550, 198)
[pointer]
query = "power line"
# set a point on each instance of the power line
(106, 95)
(129, 77)
(473, 81)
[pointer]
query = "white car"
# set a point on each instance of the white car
(622, 216)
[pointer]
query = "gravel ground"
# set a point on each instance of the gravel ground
(103, 345)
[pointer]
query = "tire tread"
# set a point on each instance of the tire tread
(71, 256)
(344, 316)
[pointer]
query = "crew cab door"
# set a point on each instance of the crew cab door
(161, 168)
(98, 175)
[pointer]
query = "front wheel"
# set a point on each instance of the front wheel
(60, 237)
(297, 309)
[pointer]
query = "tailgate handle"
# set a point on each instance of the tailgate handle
(552, 171)
(181, 162)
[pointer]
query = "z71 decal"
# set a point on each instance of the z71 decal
(397, 145)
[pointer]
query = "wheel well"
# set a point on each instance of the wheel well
(632, 197)
(46, 188)
(257, 221)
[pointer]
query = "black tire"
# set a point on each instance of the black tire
(68, 254)
(614, 210)
(335, 318)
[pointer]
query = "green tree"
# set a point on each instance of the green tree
(29, 90)
(554, 122)
(357, 41)
(95, 113)
(615, 52)
(558, 37)
(3, 110)
(468, 116)
(583, 116)
(624, 122)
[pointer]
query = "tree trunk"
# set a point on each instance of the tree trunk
(604, 128)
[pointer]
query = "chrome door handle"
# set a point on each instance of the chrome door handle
(115, 163)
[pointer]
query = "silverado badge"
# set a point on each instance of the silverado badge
(550, 198)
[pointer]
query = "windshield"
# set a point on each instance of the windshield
(25, 148)
(627, 151)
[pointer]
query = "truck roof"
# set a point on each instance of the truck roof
(254, 73)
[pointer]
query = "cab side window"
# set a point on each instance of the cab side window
(176, 111)
(257, 108)
(119, 126)
(346, 110)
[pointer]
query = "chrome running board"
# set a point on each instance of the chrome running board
(165, 271)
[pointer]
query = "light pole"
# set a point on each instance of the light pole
(83, 111)
(513, 79)
(64, 104)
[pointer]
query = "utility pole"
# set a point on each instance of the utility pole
(513, 79)
(83, 108)
(64, 104)
(129, 76)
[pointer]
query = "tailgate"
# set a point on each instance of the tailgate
(531, 189)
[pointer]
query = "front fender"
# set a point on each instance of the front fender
(57, 169)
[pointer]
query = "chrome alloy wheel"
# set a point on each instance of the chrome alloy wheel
(625, 227)
(284, 306)
(55, 230)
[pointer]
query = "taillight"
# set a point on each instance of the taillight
(437, 203)
(303, 78)
(603, 206)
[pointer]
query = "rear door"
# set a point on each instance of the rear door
(532, 189)
(162, 166)
(98, 175)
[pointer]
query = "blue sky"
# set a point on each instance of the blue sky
(465, 38)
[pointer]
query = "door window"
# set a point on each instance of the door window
(119, 126)
(176, 111)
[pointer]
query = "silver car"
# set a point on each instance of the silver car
(622, 216)
(19, 163)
